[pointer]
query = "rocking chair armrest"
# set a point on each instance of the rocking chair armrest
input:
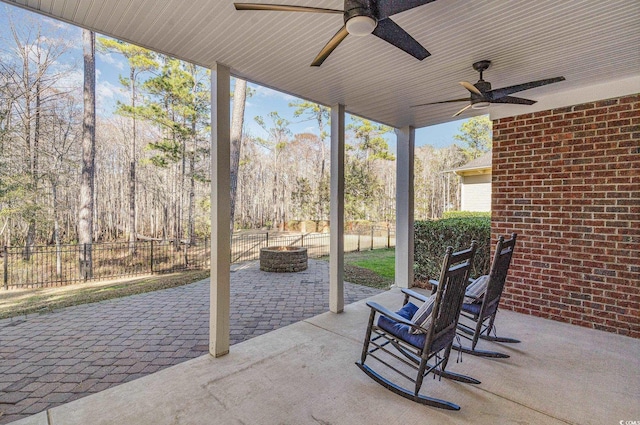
(391, 315)
(477, 298)
(434, 284)
(414, 294)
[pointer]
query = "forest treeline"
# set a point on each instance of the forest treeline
(151, 156)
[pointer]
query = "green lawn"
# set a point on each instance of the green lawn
(380, 261)
(370, 268)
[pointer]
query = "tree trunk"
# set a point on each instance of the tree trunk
(132, 169)
(237, 122)
(85, 214)
(56, 227)
(192, 200)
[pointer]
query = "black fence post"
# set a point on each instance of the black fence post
(358, 242)
(388, 237)
(267, 239)
(151, 257)
(85, 274)
(6, 268)
(302, 240)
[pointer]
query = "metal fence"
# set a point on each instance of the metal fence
(60, 265)
(51, 265)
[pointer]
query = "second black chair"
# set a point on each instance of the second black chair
(479, 316)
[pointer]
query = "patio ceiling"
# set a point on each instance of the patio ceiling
(594, 44)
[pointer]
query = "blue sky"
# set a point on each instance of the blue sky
(264, 100)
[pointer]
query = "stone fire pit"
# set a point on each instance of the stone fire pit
(283, 259)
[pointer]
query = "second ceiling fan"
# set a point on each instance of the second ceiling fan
(361, 17)
(482, 95)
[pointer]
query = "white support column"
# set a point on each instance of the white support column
(336, 244)
(220, 212)
(404, 206)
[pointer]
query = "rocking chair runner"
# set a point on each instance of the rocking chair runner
(393, 337)
(482, 313)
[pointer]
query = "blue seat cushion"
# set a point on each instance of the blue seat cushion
(401, 331)
(472, 308)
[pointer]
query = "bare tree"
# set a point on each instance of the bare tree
(31, 74)
(85, 213)
(277, 143)
(322, 115)
(436, 189)
(237, 122)
(140, 60)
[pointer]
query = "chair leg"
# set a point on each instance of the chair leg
(488, 336)
(429, 401)
(443, 373)
(476, 334)
(367, 338)
(450, 375)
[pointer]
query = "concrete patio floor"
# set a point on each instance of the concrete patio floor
(305, 374)
(53, 358)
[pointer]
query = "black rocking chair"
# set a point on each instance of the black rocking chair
(389, 339)
(478, 317)
(483, 312)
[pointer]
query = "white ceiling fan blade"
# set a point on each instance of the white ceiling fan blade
(462, 110)
(467, 85)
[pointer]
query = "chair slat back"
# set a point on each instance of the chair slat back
(498, 275)
(454, 277)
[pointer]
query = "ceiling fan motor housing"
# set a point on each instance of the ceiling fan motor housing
(483, 86)
(479, 100)
(353, 8)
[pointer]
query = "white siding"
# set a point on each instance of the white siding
(476, 193)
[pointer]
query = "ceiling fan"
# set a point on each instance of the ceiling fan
(482, 95)
(361, 17)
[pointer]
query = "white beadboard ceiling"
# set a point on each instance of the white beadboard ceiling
(594, 44)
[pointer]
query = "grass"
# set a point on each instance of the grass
(375, 268)
(29, 301)
(382, 262)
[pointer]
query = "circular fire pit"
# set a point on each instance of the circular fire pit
(283, 259)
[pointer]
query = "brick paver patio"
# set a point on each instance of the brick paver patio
(50, 359)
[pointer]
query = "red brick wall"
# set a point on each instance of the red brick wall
(568, 182)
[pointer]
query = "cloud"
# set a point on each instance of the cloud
(107, 97)
(56, 23)
(108, 91)
(70, 80)
(113, 60)
(265, 92)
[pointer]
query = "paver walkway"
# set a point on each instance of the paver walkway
(50, 359)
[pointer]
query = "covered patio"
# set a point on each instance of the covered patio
(305, 374)
(547, 189)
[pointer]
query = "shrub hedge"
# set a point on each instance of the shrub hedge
(434, 236)
(459, 214)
